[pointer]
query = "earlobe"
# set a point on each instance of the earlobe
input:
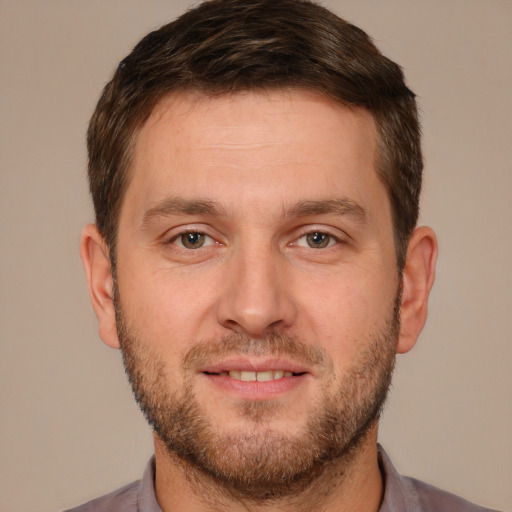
(418, 278)
(96, 261)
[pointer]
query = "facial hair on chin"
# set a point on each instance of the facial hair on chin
(259, 464)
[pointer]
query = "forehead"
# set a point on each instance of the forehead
(247, 117)
(290, 142)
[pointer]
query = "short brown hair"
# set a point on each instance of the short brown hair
(225, 46)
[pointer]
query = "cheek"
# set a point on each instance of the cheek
(166, 305)
(347, 312)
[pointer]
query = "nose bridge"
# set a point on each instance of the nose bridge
(256, 300)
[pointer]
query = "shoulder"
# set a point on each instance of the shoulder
(139, 495)
(123, 499)
(406, 494)
(432, 499)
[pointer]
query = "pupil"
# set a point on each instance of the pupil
(318, 240)
(192, 240)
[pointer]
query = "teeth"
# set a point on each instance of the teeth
(264, 376)
(248, 376)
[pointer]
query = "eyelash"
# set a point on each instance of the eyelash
(178, 236)
(332, 239)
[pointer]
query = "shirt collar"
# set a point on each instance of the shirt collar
(395, 497)
(146, 492)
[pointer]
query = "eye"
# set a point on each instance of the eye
(192, 240)
(316, 240)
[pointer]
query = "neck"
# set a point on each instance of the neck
(352, 483)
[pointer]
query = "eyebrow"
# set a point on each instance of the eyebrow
(341, 206)
(181, 206)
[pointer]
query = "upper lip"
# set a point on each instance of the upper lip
(254, 364)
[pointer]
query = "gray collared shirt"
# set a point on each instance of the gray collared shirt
(401, 494)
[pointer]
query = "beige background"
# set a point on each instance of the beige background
(69, 427)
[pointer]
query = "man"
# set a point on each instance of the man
(255, 168)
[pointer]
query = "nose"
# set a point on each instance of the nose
(257, 297)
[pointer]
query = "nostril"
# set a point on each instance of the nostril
(256, 309)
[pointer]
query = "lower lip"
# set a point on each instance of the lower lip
(255, 390)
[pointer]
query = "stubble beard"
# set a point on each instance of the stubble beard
(262, 464)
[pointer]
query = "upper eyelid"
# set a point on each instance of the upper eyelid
(336, 239)
(186, 231)
(178, 238)
(334, 232)
(190, 231)
(175, 238)
(337, 233)
(323, 231)
(339, 236)
(176, 231)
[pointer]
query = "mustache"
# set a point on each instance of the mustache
(273, 345)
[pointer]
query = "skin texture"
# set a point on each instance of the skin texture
(258, 175)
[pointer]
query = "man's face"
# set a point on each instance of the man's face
(256, 286)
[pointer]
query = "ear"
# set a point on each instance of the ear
(96, 261)
(418, 278)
